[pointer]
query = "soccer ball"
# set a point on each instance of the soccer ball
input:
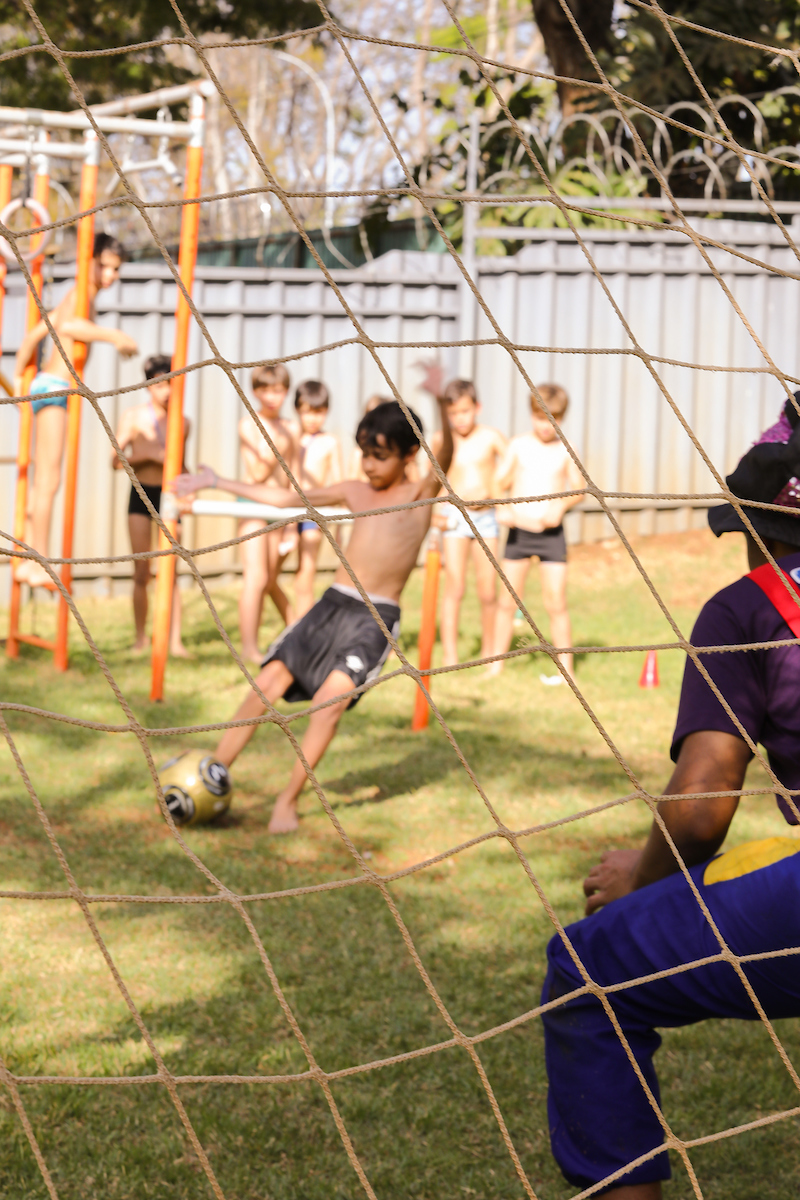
(197, 788)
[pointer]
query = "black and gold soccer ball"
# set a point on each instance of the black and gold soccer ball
(197, 787)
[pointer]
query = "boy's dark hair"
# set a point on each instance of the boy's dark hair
(270, 375)
(157, 364)
(555, 399)
(457, 388)
(390, 420)
(313, 393)
(105, 241)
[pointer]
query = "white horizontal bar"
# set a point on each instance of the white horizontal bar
(39, 117)
(157, 99)
(31, 149)
(240, 509)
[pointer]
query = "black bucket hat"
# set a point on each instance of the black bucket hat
(770, 473)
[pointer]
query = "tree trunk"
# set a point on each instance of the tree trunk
(564, 49)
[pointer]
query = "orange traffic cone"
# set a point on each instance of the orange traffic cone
(649, 675)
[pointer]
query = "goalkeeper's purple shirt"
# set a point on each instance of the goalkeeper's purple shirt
(761, 686)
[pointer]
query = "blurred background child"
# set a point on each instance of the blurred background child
(320, 466)
(142, 438)
(536, 464)
(477, 451)
(262, 556)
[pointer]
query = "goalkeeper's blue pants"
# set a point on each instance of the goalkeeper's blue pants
(600, 1116)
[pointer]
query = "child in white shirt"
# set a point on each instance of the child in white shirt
(537, 464)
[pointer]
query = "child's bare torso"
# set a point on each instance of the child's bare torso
(317, 457)
(539, 468)
(383, 549)
(260, 463)
(147, 439)
(472, 471)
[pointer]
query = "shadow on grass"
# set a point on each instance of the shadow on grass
(421, 1128)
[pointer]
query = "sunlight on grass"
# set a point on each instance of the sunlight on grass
(422, 1128)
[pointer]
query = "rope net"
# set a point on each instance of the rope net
(752, 163)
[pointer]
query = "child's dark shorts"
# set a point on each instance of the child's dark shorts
(136, 503)
(549, 546)
(338, 634)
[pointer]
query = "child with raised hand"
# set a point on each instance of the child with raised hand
(537, 464)
(262, 556)
(142, 438)
(477, 451)
(50, 412)
(320, 466)
(337, 645)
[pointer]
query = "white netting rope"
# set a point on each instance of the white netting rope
(604, 500)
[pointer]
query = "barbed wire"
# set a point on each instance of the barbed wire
(368, 876)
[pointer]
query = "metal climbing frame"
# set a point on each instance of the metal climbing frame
(19, 149)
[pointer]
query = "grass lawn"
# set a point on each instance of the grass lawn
(423, 1128)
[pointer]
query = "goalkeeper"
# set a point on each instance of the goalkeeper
(338, 645)
(602, 1116)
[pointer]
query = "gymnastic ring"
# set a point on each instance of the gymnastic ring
(38, 210)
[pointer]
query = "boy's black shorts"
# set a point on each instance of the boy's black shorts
(548, 546)
(153, 493)
(338, 634)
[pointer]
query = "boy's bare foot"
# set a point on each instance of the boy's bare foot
(494, 669)
(179, 651)
(284, 817)
(140, 646)
(253, 656)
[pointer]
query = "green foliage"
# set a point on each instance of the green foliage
(646, 65)
(35, 80)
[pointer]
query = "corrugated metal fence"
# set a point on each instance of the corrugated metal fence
(545, 296)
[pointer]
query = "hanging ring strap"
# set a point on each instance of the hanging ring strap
(42, 217)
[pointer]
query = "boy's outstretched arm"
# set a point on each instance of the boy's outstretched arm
(263, 493)
(84, 330)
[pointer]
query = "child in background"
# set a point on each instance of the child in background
(320, 466)
(142, 438)
(477, 451)
(537, 463)
(262, 556)
(50, 412)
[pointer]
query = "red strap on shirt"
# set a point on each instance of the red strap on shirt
(772, 587)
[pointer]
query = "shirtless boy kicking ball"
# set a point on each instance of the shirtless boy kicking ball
(262, 556)
(477, 449)
(338, 645)
(142, 438)
(320, 466)
(50, 412)
(537, 463)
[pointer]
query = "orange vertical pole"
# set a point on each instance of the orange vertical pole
(6, 180)
(173, 455)
(427, 629)
(83, 302)
(41, 192)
